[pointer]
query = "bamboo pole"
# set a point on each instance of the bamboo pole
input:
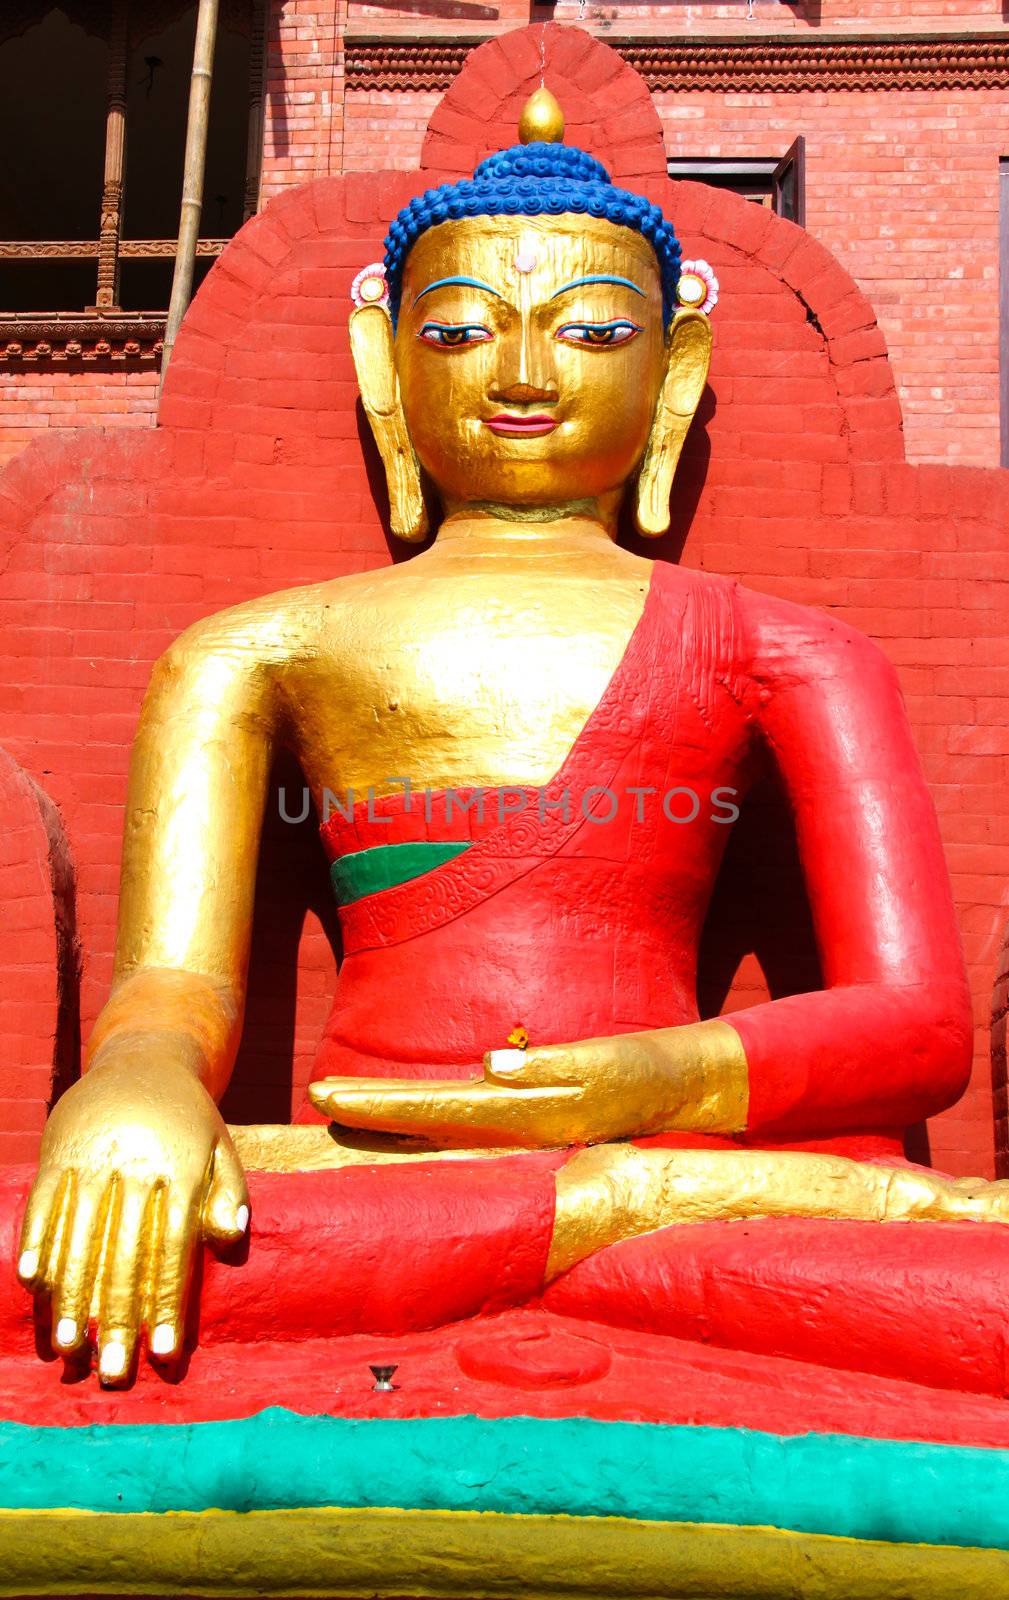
(192, 178)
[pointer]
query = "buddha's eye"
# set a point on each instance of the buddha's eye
(453, 335)
(599, 335)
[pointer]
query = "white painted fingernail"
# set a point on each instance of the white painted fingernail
(112, 1361)
(66, 1331)
(163, 1339)
(242, 1218)
(505, 1061)
(29, 1264)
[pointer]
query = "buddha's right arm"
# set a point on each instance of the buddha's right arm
(194, 810)
(136, 1164)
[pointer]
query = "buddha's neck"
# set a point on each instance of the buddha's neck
(472, 532)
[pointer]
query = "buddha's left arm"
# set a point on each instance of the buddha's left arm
(887, 1042)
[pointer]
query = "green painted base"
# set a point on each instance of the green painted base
(285, 1505)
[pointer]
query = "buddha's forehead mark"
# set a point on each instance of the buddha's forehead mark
(598, 277)
(531, 251)
(469, 283)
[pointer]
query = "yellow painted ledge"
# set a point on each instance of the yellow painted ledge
(383, 1553)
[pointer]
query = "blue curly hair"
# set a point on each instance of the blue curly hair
(534, 180)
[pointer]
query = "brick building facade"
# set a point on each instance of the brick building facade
(812, 490)
(903, 108)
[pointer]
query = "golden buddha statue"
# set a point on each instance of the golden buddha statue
(536, 741)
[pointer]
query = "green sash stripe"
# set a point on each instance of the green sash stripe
(835, 1484)
(385, 866)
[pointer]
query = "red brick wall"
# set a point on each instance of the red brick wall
(37, 961)
(303, 134)
(393, 121)
(781, 16)
(903, 185)
(46, 399)
(904, 189)
(112, 543)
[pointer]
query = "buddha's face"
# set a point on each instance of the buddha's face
(530, 354)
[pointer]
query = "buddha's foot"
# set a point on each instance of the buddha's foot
(613, 1192)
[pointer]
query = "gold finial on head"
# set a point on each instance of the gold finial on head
(542, 119)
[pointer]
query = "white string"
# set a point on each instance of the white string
(543, 55)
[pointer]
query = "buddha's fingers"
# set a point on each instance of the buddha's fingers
(171, 1276)
(550, 1066)
(223, 1219)
(134, 1225)
(43, 1227)
(73, 1285)
(226, 1210)
(450, 1113)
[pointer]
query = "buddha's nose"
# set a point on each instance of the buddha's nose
(524, 394)
(524, 374)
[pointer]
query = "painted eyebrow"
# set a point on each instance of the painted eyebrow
(469, 283)
(598, 277)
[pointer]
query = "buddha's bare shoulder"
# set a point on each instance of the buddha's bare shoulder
(274, 631)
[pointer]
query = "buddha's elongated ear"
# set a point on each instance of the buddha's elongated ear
(371, 344)
(686, 374)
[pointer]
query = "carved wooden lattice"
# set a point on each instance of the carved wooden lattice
(104, 331)
(125, 338)
(724, 65)
(94, 16)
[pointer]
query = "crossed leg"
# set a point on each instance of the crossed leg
(612, 1192)
(898, 1272)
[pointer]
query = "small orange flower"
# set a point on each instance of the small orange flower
(519, 1037)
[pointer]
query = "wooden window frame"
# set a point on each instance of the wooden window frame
(765, 171)
(104, 331)
(794, 161)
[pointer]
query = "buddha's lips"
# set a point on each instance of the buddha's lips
(508, 423)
